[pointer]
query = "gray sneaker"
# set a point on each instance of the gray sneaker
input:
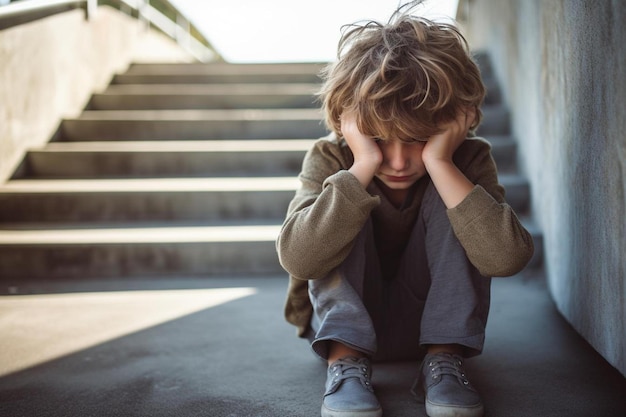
(447, 392)
(349, 392)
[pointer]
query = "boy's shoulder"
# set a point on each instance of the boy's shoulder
(332, 145)
(476, 144)
(330, 140)
(473, 147)
(330, 152)
(473, 151)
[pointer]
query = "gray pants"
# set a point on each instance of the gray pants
(437, 296)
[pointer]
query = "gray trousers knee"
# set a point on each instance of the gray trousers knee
(437, 296)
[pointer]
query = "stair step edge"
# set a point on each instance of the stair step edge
(243, 145)
(147, 185)
(139, 235)
(198, 115)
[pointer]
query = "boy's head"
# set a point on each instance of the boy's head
(402, 79)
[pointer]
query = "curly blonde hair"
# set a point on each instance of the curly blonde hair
(402, 79)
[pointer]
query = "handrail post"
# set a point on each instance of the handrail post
(91, 9)
(141, 12)
(183, 30)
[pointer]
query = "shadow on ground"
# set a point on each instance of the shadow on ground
(241, 359)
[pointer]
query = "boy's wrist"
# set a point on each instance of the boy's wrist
(451, 184)
(435, 163)
(363, 171)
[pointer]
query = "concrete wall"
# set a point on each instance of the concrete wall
(50, 67)
(562, 64)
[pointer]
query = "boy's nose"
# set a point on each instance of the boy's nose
(396, 157)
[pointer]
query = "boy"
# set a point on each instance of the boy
(400, 221)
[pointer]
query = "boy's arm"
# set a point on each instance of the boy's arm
(451, 184)
(367, 154)
(493, 238)
(325, 215)
(331, 207)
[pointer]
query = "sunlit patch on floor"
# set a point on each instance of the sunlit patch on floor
(39, 328)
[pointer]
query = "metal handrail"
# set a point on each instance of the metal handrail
(179, 30)
(24, 7)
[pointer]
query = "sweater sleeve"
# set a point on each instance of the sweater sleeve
(494, 239)
(325, 215)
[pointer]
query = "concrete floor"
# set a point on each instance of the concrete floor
(220, 348)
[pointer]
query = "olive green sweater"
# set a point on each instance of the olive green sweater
(331, 207)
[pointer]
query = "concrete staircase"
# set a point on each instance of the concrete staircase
(179, 170)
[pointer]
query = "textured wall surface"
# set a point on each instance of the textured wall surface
(50, 67)
(562, 64)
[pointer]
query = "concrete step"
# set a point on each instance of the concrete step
(193, 124)
(130, 252)
(219, 68)
(496, 121)
(198, 124)
(189, 158)
(205, 96)
(494, 94)
(198, 199)
(504, 151)
(223, 124)
(484, 64)
(80, 252)
(166, 159)
(517, 192)
(219, 74)
(168, 199)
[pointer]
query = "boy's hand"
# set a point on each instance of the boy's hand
(451, 184)
(441, 147)
(367, 154)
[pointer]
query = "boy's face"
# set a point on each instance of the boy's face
(402, 165)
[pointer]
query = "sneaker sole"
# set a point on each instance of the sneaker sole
(326, 412)
(435, 410)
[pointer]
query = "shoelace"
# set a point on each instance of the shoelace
(344, 369)
(447, 365)
(439, 366)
